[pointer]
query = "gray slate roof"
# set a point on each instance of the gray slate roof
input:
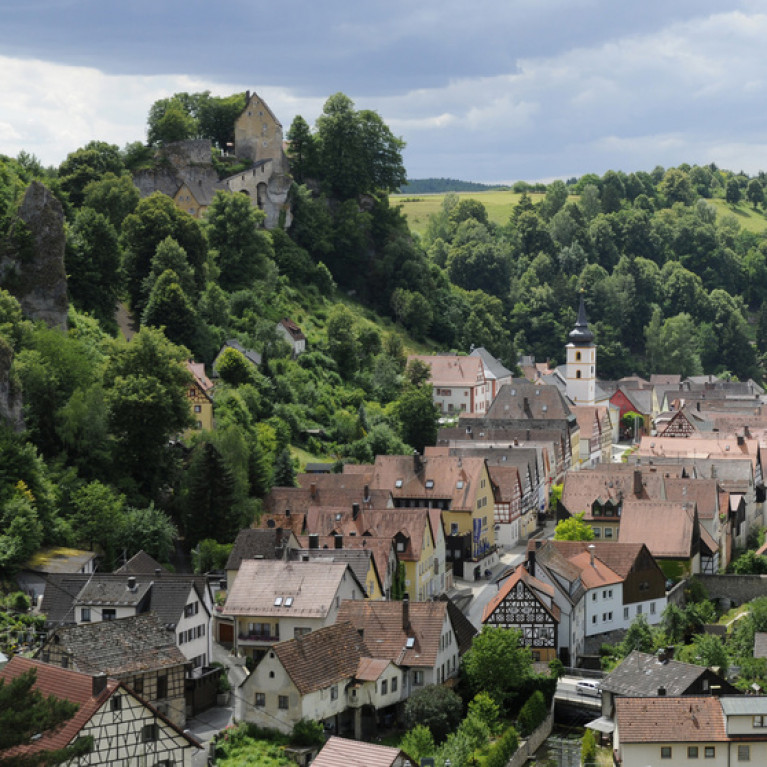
(494, 366)
(140, 564)
(124, 646)
(640, 675)
(256, 544)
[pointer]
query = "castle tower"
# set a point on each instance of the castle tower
(581, 361)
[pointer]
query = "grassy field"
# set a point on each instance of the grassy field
(418, 208)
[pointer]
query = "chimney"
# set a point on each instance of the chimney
(314, 540)
(741, 440)
(637, 482)
(287, 513)
(98, 684)
(417, 464)
(661, 691)
(355, 511)
(338, 541)
(531, 562)
(591, 547)
(157, 572)
(313, 489)
(405, 613)
(366, 494)
(132, 583)
(278, 537)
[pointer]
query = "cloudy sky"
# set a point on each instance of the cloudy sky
(486, 90)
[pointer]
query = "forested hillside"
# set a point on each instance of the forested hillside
(102, 460)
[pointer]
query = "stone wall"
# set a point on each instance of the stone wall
(738, 589)
(534, 741)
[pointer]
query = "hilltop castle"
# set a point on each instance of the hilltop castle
(186, 171)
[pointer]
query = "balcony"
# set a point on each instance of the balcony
(247, 637)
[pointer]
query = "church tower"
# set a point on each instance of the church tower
(581, 361)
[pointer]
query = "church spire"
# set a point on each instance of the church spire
(581, 335)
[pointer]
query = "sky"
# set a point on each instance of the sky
(487, 90)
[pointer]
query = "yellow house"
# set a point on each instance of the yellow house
(199, 396)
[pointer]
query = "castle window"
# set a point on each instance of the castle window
(577, 373)
(577, 356)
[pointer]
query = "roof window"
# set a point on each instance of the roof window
(429, 484)
(288, 601)
(459, 484)
(398, 483)
(277, 601)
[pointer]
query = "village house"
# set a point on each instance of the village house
(291, 334)
(526, 604)
(722, 731)
(417, 534)
(425, 639)
(328, 676)
(271, 601)
(199, 396)
(640, 675)
(269, 543)
(496, 374)
(126, 730)
(180, 601)
(139, 651)
(461, 488)
(53, 560)
(459, 382)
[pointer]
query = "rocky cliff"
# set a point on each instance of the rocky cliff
(32, 257)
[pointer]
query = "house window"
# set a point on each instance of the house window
(744, 753)
(108, 614)
(260, 699)
(138, 685)
(652, 608)
(116, 703)
(608, 532)
(760, 721)
(692, 752)
(639, 609)
(418, 677)
(198, 408)
(593, 618)
(625, 613)
(162, 686)
(594, 596)
(597, 532)
(85, 614)
(709, 752)
(282, 701)
(334, 692)
(149, 733)
(384, 687)
(394, 684)
(665, 752)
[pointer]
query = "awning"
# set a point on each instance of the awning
(603, 724)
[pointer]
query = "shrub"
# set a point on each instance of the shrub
(588, 748)
(307, 732)
(532, 713)
(503, 749)
(437, 707)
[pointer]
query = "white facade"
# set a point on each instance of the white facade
(193, 631)
(604, 609)
(581, 373)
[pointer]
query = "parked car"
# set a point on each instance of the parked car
(588, 687)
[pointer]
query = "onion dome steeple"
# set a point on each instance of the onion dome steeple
(581, 335)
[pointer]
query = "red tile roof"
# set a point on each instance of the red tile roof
(670, 720)
(66, 685)
(341, 752)
(665, 528)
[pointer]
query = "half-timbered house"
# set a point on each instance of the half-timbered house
(526, 604)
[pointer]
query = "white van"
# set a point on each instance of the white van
(588, 687)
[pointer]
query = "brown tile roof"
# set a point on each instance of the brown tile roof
(370, 669)
(618, 557)
(197, 369)
(293, 329)
(322, 658)
(311, 585)
(342, 752)
(703, 492)
(705, 445)
(119, 647)
(450, 370)
(452, 478)
(670, 720)
(66, 685)
(382, 625)
(666, 528)
(541, 591)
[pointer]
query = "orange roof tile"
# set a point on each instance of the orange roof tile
(670, 720)
(342, 752)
